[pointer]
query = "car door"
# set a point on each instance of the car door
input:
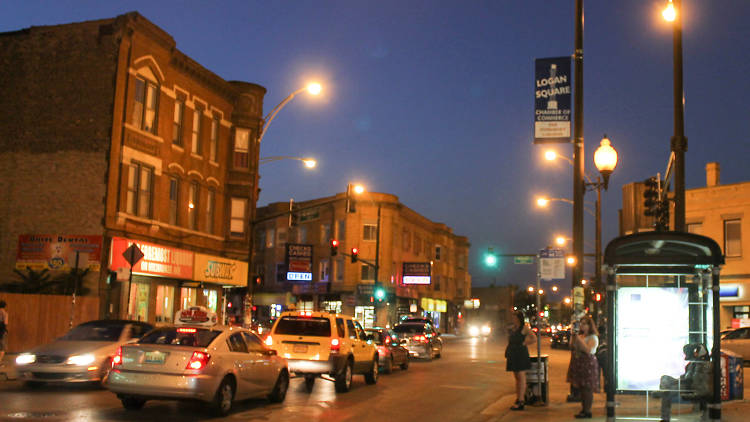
(400, 354)
(364, 350)
(264, 370)
(352, 341)
(244, 365)
(738, 341)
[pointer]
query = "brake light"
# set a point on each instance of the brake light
(198, 361)
(117, 358)
(387, 339)
(306, 313)
(187, 330)
(335, 345)
(269, 341)
(420, 338)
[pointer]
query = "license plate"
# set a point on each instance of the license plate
(300, 348)
(155, 357)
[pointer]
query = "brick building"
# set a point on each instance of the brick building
(109, 136)
(384, 230)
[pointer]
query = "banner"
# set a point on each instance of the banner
(57, 252)
(552, 89)
(158, 260)
(214, 269)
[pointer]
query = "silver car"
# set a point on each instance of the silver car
(216, 365)
(84, 354)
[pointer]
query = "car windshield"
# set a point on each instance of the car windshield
(180, 336)
(95, 331)
(377, 336)
(301, 326)
(409, 329)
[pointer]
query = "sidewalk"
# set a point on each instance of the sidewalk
(8, 367)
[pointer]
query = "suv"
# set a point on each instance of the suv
(318, 344)
(421, 338)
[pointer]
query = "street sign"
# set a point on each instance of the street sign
(551, 264)
(552, 89)
(523, 260)
(578, 295)
(133, 254)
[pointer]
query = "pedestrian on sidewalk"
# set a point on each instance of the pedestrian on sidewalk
(3, 330)
(517, 354)
(583, 372)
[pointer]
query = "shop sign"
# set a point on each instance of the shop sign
(158, 260)
(58, 252)
(195, 315)
(365, 289)
(551, 264)
(552, 89)
(299, 262)
(214, 269)
(428, 304)
(416, 273)
(441, 305)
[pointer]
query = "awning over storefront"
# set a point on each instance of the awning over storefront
(214, 269)
(434, 305)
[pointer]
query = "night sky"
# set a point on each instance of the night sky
(433, 100)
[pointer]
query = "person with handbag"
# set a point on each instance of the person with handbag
(695, 384)
(583, 372)
(517, 354)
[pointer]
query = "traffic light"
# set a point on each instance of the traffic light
(379, 293)
(355, 252)
(651, 197)
(490, 259)
(597, 297)
(334, 247)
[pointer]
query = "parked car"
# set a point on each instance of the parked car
(216, 365)
(320, 344)
(738, 341)
(83, 354)
(560, 338)
(391, 351)
(421, 339)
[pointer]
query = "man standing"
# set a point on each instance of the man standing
(3, 330)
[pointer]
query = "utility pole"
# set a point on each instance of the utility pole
(678, 142)
(578, 163)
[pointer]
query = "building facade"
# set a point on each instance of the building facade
(716, 211)
(109, 137)
(387, 234)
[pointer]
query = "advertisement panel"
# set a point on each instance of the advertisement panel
(215, 269)
(552, 89)
(417, 273)
(158, 260)
(58, 252)
(299, 262)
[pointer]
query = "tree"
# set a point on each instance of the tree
(31, 282)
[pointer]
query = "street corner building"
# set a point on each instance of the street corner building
(421, 264)
(110, 136)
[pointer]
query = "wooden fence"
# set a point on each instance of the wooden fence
(34, 320)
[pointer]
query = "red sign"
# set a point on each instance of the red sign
(158, 260)
(58, 251)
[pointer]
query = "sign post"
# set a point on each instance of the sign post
(132, 254)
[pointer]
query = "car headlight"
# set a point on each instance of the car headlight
(486, 330)
(81, 360)
(25, 358)
(473, 331)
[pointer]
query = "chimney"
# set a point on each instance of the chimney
(712, 174)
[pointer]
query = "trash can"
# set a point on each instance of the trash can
(732, 376)
(533, 392)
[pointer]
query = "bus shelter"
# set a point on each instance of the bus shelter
(662, 305)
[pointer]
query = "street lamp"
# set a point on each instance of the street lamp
(605, 159)
(308, 162)
(544, 201)
(312, 88)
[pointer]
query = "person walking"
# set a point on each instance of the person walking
(3, 330)
(583, 372)
(517, 354)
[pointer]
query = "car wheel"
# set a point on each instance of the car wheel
(34, 384)
(309, 382)
(371, 377)
(344, 378)
(279, 390)
(224, 396)
(388, 367)
(405, 365)
(133, 403)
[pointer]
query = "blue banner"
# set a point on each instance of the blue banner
(552, 89)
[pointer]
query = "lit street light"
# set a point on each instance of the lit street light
(308, 162)
(669, 13)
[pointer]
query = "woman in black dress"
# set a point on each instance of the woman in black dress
(517, 354)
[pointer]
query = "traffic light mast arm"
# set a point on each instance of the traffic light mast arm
(364, 261)
(288, 212)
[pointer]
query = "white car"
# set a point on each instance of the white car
(738, 341)
(216, 365)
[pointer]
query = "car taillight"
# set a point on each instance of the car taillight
(117, 358)
(421, 339)
(335, 345)
(269, 341)
(199, 360)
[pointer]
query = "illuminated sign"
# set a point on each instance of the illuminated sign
(417, 273)
(293, 276)
(299, 262)
(158, 260)
(731, 290)
(214, 269)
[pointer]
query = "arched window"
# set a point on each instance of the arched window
(146, 101)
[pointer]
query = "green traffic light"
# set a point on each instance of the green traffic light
(379, 294)
(490, 260)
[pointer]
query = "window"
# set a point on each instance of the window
(417, 245)
(302, 234)
(325, 234)
(324, 270)
(213, 146)
(179, 112)
(237, 219)
(438, 250)
(140, 184)
(436, 284)
(210, 206)
(241, 148)
(270, 237)
(341, 230)
(188, 297)
(370, 232)
(732, 238)
(340, 326)
(193, 206)
(145, 109)
(339, 269)
(164, 303)
(280, 236)
(368, 272)
(406, 240)
(212, 299)
(174, 200)
(696, 228)
(350, 328)
(196, 139)
(236, 343)
(254, 344)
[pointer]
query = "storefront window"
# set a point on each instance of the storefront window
(188, 297)
(138, 303)
(333, 306)
(164, 303)
(212, 299)
(365, 315)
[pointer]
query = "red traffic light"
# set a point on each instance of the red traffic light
(334, 242)
(598, 297)
(334, 247)
(355, 252)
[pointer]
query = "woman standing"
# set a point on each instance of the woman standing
(583, 372)
(517, 354)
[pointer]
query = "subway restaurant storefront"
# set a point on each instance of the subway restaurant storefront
(168, 279)
(435, 309)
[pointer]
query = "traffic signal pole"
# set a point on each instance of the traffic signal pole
(578, 163)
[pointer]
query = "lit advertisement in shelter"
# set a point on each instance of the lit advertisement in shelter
(417, 273)
(652, 328)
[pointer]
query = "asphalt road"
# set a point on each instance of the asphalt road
(469, 383)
